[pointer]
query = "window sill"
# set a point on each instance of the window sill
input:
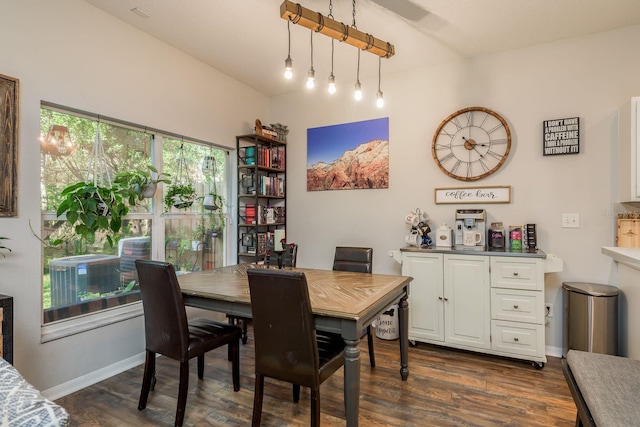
(64, 328)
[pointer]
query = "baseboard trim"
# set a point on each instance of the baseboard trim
(93, 377)
(553, 351)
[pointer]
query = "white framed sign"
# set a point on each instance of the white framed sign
(494, 194)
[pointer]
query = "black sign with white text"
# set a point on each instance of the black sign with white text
(561, 136)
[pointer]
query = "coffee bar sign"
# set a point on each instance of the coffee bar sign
(561, 136)
(497, 194)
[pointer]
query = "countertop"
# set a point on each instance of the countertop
(475, 250)
(626, 256)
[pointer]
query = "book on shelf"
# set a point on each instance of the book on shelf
(250, 213)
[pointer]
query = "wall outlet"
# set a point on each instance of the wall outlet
(570, 220)
(548, 310)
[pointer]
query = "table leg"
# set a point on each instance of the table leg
(352, 381)
(403, 319)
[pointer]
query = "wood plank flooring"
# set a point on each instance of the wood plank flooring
(445, 388)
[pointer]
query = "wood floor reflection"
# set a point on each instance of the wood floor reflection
(445, 388)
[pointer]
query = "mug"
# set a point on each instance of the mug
(412, 219)
(413, 239)
(471, 238)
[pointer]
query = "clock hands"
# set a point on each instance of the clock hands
(471, 144)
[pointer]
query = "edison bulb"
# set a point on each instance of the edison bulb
(332, 84)
(288, 68)
(311, 79)
(379, 100)
(358, 93)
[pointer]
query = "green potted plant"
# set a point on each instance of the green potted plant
(140, 184)
(214, 203)
(180, 196)
(91, 208)
(2, 247)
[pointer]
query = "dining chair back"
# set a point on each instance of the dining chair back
(286, 346)
(289, 257)
(169, 332)
(351, 258)
(359, 260)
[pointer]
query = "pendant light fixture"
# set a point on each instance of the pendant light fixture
(379, 97)
(328, 26)
(288, 63)
(311, 75)
(358, 92)
(332, 78)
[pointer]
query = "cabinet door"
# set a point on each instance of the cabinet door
(467, 301)
(425, 295)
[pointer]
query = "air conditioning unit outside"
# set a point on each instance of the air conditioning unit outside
(130, 249)
(73, 276)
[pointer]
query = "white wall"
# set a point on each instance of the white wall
(70, 53)
(588, 77)
(87, 60)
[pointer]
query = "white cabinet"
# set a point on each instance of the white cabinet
(629, 152)
(466, 301)
(449, 299)
(480, 302)
(426, 308)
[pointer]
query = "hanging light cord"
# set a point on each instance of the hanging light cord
(312, 49)
(289, 33)
(379, 74)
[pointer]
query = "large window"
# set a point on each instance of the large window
(82, 276)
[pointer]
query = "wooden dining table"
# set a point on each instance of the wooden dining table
(342, 302)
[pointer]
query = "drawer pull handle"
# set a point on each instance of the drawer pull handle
(515, 339)
(440, 298)
(515, 306)
(515, 273)
(446, 299)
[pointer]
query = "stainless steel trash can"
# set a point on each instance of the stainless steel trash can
(590, 318)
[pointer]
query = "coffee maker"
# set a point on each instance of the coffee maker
(473, 220)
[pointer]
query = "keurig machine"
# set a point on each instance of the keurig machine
(471, 220)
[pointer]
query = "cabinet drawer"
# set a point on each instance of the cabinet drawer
(517, 338)
(507, 272)
(517, 305)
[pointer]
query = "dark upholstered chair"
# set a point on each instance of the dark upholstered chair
(168, 332)
(288, 258)
(286, 344)
(359, 260)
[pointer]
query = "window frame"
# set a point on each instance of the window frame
(73, 325)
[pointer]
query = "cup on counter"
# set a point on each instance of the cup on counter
(413, 239)
(471, 238)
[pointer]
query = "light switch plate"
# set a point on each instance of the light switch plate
(570, 220)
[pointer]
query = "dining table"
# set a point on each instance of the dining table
(342, 302)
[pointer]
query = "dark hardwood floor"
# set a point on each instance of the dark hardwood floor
(445, 388)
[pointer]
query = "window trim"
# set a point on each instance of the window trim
(81, 323)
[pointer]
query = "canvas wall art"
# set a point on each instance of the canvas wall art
(348, 156)
(9, 96)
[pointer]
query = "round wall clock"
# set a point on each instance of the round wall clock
(471, 143)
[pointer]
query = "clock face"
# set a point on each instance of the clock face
(471, 143)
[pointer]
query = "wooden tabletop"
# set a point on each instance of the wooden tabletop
(333, 293)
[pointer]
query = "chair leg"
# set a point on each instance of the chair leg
(315, 406)
(244, 331)
(296, 393)
(372, 356)
(149, 370)
(234, 352)
(257, 401)
(182, 392)
(201, 366)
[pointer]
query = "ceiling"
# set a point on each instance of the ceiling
(247, 39)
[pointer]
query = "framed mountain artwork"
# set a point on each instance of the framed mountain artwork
(350, 156)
